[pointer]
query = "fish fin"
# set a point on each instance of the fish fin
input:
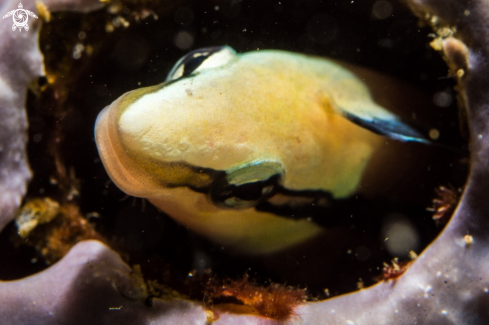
(391, 128)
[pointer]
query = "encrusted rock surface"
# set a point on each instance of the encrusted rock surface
(20, 64)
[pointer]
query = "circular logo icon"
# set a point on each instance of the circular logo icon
(20, 17)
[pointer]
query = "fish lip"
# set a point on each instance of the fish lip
(113, 159)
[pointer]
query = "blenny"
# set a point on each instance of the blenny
(239, 147)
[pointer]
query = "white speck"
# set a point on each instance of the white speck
(486, 290)
(348, 251)
(37, 137)
(382, 9)
(349, 322)
(244, 30)
(333, 311)
(77, 51)
(7, 92)
(438, 273)
(480, 136)
(444, 312)
(434, 134)
(419, 305)
(426, 291)
(396, 311)
(183, 40)
(443, 99)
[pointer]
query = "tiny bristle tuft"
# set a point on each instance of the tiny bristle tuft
(274, 301)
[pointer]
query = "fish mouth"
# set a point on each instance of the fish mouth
(116, 163)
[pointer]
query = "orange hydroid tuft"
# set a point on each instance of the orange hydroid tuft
(394, 270)
(275, 301)
(444, 204)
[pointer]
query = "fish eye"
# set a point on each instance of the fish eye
(204, 58)
(247, 186)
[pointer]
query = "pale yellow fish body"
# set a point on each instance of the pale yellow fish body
(284, 109)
